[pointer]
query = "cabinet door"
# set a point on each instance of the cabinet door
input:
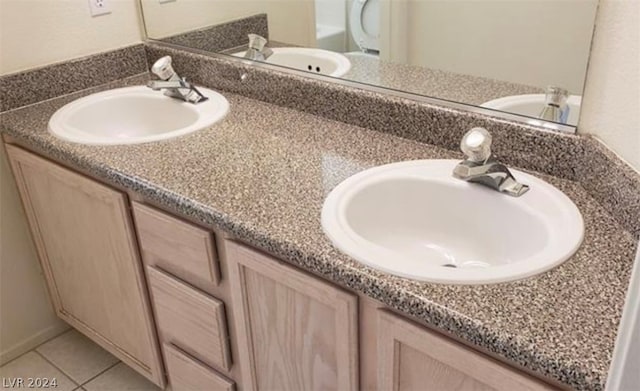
(84, 237)
(296, 332)
(412, 358)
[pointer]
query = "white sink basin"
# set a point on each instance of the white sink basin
(531, 105)
(413, 219)
(319, 61)
(134, 115)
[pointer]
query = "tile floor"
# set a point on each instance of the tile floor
(77, 364)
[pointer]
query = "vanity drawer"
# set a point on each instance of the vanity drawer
(189, 319)
(187, 374)
(182, 248)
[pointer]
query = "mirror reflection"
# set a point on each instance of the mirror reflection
(526, 57)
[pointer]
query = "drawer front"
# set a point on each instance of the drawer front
(187, 374)
(184, 249)
(189, 319)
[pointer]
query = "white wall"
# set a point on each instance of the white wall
(533, 42)
(26, 316)
(611, 103)
(36, 32)
(290, 21)
(623, 374)
(611, 112)
(331, 12)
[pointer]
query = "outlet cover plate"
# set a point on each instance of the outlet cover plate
(100, 7)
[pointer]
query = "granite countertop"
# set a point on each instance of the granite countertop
(443, 85)
(262, 175)
(455, 87)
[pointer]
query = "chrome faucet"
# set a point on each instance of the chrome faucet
(481, 167)
(257, 51)
(555, 107)
(172, 84)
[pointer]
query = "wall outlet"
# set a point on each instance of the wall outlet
(100, 7)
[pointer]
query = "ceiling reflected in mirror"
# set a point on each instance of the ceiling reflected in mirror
(523, 57)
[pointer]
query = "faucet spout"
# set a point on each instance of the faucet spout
(481, 167)
(492, 174)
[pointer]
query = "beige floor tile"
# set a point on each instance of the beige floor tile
(77, 356)
(121, 378)
(32, 365)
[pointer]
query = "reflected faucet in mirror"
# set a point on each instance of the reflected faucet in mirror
(172, 84)
(257, 50)
(555, 107)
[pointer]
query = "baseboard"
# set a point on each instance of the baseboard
(32, 342)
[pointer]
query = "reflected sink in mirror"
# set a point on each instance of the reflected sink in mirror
(415, 220)
(318, 61)
(531, 105)
(134, 115)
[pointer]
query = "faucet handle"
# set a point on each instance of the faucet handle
(163, 69)
(476, 144)
(257, 42)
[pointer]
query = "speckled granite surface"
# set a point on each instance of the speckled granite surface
(613, 183)
(456, 87)
(429, 123)
(222, 36)
(566, 156)
(262, 175)
(370, 70)
(34, 85)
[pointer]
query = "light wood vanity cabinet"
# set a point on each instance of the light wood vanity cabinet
(288, 330)
(86, 244)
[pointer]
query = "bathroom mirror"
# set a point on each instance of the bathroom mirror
(501, 55)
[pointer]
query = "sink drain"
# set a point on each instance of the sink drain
(450, 265)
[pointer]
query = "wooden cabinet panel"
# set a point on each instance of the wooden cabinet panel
(190, 319)
(186, 374)
(411, 357)
(296, 332)
(185, 250)
(85, 241)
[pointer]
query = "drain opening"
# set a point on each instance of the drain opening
(450, 265)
